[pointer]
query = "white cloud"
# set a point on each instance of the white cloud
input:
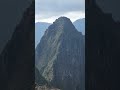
(59, 5)
(49, 10)
(72, 15)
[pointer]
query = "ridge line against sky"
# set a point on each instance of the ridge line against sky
(49, 10)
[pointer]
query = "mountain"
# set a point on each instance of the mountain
(45, 87)
(39, 79)
(40, 28)
(60, 56)
(17, 58)
(80, 25)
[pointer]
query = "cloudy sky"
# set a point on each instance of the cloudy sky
(49, 10)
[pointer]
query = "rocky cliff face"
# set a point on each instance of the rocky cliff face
(39, 79)
(45, 88)
(17, 58)
(60, 55)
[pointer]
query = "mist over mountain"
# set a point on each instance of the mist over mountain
(60, 56)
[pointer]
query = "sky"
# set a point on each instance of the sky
(50, 10)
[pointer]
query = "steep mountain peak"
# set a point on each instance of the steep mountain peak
(60, 55)
(62, 24)
(63, 19)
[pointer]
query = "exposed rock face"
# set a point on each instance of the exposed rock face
(102, 49)
(39, 79)
(60, 55)
(45, 88)
(17, 59)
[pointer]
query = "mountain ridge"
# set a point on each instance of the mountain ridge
(42, 26)
(55, 59)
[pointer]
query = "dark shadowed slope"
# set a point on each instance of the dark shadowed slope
(11, 14)
(39, 79)
(102, 49)
(17, 58)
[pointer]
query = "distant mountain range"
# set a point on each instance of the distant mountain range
(40, 28)
(60, 56)
(80, 25)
